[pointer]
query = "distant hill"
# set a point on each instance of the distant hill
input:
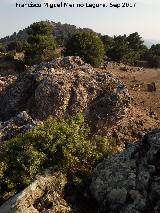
(61, 32)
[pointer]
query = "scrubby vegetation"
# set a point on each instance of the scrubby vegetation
(88, 46)
(61, 143)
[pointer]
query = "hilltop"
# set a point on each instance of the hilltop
(45, 40)
(61, 31)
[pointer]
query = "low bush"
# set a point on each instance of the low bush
(61, 143)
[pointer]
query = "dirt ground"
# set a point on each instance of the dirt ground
(136, 83)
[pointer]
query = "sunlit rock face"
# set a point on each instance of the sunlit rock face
(63, 87)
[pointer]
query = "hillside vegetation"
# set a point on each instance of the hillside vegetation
(41, 46)
(61, 143)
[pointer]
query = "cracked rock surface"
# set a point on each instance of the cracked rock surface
(130, 181)
(63, 87)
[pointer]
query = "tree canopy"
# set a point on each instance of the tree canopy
(41, 43)
(88, 46)
(17, 45)
(127, 49)
(107, 41)
(153, 56)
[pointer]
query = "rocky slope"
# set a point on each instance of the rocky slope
(63, 87)
(129, 181)
(66, 86)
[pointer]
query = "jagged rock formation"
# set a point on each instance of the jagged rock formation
(13, 99)
(66, 86)
(16, 125)
(69, 62)
(130, 181)
(63, 87)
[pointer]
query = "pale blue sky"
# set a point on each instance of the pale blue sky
(144, 18)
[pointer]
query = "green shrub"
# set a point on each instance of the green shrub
(88, 46)
(19, 164)
(61, 143)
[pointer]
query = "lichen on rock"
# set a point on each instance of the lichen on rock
(129, 181)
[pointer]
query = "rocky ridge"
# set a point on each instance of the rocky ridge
(63, 87)
(66, 86)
